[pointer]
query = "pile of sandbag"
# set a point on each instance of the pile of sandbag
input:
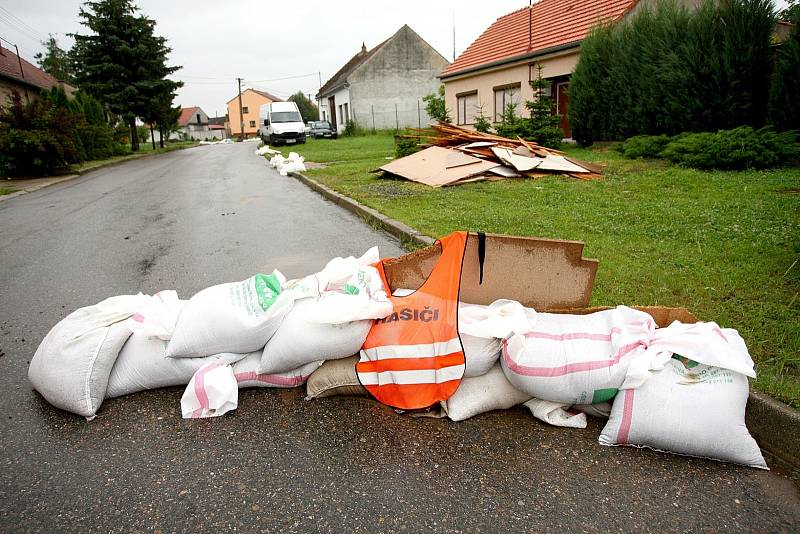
(292, 163)
(265, 149)
(680, 388)
(261, 332)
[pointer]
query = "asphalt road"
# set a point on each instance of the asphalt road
(193, 218)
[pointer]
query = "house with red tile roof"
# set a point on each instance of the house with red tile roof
(193, 124)
(28, 79)
(382, 88)
(496, 69)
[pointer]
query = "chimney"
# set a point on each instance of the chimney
(363, 47)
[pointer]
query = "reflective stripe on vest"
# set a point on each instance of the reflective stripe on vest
(414, 358)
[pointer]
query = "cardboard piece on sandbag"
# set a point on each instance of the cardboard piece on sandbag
(539, 273)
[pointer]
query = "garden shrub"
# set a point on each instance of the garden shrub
(739, 148)
(644, 146)
(405, 145)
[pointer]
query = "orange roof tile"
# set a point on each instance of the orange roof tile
(29, 75)
(186, 115)
(554, 23)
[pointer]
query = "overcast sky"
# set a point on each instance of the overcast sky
(263, 42)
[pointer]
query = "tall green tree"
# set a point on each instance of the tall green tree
(55, 61)
(121, 61)
(308, 110)
(792, 12)
(784, 98)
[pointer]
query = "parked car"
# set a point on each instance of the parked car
(323, 129)
(309, 126)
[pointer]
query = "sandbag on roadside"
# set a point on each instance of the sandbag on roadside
(687, 408)
(248, 376)
(335, 377)
(577, 359)
(72, 364)
(300, 340)
(142, 364)
(237, 317)
(481, 394)
(555, 413)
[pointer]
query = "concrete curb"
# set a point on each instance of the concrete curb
(775, 425)
(401, 231)
(57, 180)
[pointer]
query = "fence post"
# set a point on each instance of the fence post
(373, 118)
(396, 119)
(419, 116)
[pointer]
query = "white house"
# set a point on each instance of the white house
(383, 88)
(193, 124)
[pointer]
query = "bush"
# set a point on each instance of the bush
(36, 139)
(667, 70)
(644, 146)
(435, 106)
(784, 102)
(350, 129)
(740, 148)
(405, 145)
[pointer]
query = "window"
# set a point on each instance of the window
(252, 124)
(347, 112)
(505, 96)
(341, 115)
(324, 115)
(198, 118)
(245, 110)
(467, 106)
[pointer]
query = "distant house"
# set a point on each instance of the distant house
(193, 124)
(27, 79)
(383, 87)
(219, 124)
(252, 100)
(495, 70)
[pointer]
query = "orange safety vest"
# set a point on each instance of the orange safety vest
(413, 358)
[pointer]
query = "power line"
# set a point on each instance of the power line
(281, 79)
(21, 22)
(21, 31)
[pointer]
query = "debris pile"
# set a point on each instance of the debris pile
(456, 155)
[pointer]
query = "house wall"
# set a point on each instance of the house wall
(485, 82)
(252, 101)
(397, 76)
(342, 97)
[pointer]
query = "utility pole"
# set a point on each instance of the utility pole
(454, 35)
(241, 115)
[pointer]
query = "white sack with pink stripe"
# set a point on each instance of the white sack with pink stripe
(577, 359)
(212, 392)
(687, 408)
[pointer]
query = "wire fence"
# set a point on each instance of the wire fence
(388, 115)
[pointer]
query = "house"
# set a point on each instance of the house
(193, 124)
(383, 87)
(26, 78)
(495, 70)
(220, 124)
(252, 100)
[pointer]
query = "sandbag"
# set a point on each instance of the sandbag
(72, 364)
(335, 377)
(158, 316)
(577, 359)
(212, 392)
(555, 413)
(142, 364)
(300, 340)
(481, 394)
(687, 408)
(248, 376)
(237, 317)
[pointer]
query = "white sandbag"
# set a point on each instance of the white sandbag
(577, 359)
(480, 394)
(247, 375)
(212, 392)
(482, 327)
(300, 340)
(355, 295)
(687, 408)
(601, 409)
(142, 364)
(555, 413)
(703, 342)
(72, 364)
(237, 317)
(158, 316)
(335, 377)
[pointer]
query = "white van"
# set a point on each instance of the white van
(281, 123)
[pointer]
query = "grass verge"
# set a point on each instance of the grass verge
(725, 245)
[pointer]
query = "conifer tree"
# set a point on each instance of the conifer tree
(55, 61)
(122, 62)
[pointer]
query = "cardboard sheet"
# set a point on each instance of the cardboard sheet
(429, 167)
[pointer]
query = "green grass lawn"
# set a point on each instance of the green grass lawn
(6, 191)
(725, 245)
